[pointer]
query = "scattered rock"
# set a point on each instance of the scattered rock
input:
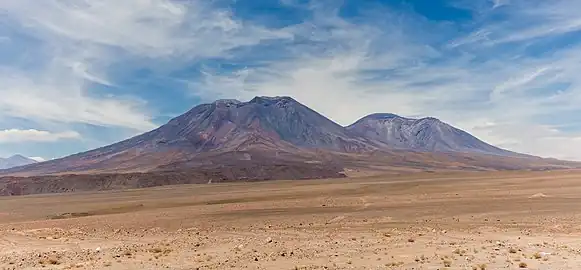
(538, 195)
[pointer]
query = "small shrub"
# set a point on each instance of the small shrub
(522, 265)
(156, 250)
(447, 263)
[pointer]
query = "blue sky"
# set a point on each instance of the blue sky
(78, 74)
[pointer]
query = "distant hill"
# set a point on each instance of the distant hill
(15, 161)
(280, 130)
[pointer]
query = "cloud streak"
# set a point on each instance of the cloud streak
(85, 38)
(363, 65)
(33, 135)
(524, 21)
(63, 56)
(154, 28)
(65, 102)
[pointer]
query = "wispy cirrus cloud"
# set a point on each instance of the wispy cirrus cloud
(33, 135)
(499, 3)
(65, 101)
(469, 78)
(509, 68)
(523, 21)
(155, 28)
(60, 59)
(83, 39)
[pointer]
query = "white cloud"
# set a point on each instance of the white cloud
(500, 3)
(33, 135)
(375, 65)
(523, 80)
(82, 70)
(81, 40)
(526, 20)
(66, 102)
(153, 28)
(493, 80)
(330, 75)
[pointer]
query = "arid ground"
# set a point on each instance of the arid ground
(488, 220)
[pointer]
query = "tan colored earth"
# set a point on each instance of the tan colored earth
(508, 220)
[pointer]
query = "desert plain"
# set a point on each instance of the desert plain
(466, 220)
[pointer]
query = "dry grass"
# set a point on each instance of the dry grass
(481, 267)
(394, 264)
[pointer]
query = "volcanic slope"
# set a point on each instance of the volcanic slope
(426, 134)
(278, 126)
(280, 131)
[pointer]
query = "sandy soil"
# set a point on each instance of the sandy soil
(477, 221)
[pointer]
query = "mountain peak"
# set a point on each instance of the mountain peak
(430, 119)
(260, 100)
(227, 102)
(266, 125)
(381, 116)
(275, 98)
(227, 124)
(264, 100)
(375, 117)
(15, 161)
(427, 134)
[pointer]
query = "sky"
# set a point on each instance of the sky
(79, 74)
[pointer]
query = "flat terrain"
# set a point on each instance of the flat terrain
(487, 220)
